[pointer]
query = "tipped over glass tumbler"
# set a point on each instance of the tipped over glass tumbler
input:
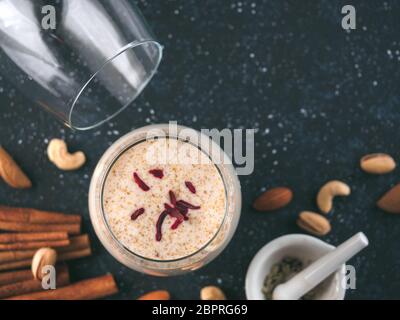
(82, 60)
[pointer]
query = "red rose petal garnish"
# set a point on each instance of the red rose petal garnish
(176, 214)
(173, 212)
(158, 173)
(140, 182)
(176, 224)
(137, 213)
(190, 186)
(177, 209)
(172, 198)
(187, 205)
(182, 209)
(159, 223)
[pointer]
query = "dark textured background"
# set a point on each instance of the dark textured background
(319, 97)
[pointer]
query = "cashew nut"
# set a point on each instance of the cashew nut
(58, 154)
(330, 190)
(43, 257)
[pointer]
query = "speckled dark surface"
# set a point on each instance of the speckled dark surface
(319, 97)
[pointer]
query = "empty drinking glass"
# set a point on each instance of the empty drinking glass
(85, 66)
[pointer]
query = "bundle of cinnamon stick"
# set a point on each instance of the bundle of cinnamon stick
(28, 230)
(32, 220)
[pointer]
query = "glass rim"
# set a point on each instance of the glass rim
(121, 245)
(129, 46)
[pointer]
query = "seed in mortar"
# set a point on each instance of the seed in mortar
(282, 272)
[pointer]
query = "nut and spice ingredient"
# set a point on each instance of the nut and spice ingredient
(314, 223)
(283, 271)
(328, 192)
(377, 163)
(11, 172)
(57, 152)
(273, 199)
(212, 293)
(43, 257)
(390, 201)
(156, 295)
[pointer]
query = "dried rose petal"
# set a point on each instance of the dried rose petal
(158, 173)
(176, 224)
(137, 213)
(159, 223)
(187, 205)
(140, 182)
(173, 212)
(182, 209)
(172, 198)
(190, 186)
(176, 214)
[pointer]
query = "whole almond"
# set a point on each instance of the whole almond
(11, 172)
(212, 293)
(390, 201)
(377, 163)
(156, 295)
(43, 257)
(273, 199)
(314, 223)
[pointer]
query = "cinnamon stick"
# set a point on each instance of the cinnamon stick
(15, 276)
(34, 245)
(76, 254)
(28, 237)
(94, 288)
(15, 264)
(71, 228)
(12, 256)
(33, 285)
(79, 247)
(34, 216)
(77, 242)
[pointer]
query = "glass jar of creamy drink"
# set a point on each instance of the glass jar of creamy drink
(164, 200)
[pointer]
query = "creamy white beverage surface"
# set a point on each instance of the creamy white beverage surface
(164, 210)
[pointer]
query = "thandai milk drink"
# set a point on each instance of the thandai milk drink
(164, 199)
(164, 210)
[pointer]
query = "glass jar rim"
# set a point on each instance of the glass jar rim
(136, 254)
(143, 85)
(121, 146)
